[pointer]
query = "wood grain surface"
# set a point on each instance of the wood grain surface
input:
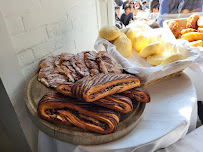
(35, 90)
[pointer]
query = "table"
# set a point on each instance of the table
(171, 114)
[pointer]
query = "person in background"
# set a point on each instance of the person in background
(118, 23)
(119, 2)
(126, 2)
(132, 8)
(138, 5)
(155, 13)
(127, 16)
(151, 3)
(176, 6)
(144, 3)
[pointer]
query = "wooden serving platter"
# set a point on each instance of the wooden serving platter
(35, 90)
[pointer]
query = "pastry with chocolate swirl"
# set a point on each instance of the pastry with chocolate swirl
(137, 94)
(117, 102)
(97, 87)
(57, 108)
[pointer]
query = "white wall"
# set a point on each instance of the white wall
(34, 29)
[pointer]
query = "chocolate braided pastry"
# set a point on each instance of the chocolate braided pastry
(117, 102)
(137, 94)
(57, 108)
(97, 87)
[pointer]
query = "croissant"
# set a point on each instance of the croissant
(117, 102)
(57, 108)
(93, 88)
(137, 94)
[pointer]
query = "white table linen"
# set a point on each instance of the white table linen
(171, 113)
(192, 142)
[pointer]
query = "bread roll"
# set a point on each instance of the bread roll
(140, 41)
(174, 57)
(155, 59)
(132, 32)
(123, 46)
(109, 32)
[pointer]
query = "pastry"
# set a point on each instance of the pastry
(175, 28)
(192, 21)
(109, 32)
(200, 22)
(137, 94)
(196, 43)
(192, 36)
(93, 88)
(155, 59)
(117, 102)
(65, 89)
(172, 58)
(200, 29)
(188, 30)
(57, 108)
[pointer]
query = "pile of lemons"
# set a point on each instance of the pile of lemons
(148, 46)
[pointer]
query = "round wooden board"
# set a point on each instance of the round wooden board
(35, 90)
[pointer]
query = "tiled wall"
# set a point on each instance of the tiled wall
(38, 28)
(44, 27)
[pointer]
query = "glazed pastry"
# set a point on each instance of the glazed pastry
(175, 28)
(137, 94)
(192, 21)
(93, 88)
(196, 43)
(200, 29)
(192, 36)
(57, 108)
(200, 22)
(188, 30)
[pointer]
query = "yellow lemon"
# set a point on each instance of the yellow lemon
(123, 46)
(140, 41)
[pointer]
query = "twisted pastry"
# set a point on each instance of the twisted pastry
(137, 94)
(93, 88)
(117, 102)
(57, 108)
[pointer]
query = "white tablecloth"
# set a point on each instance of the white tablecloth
(171, 113)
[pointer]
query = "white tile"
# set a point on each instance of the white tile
(29, 39)
(25, 57)
(47, 47)
(14, 25)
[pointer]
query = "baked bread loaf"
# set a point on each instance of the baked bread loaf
(109, 33)
(57, 108)
(94, 88)
(192, 21)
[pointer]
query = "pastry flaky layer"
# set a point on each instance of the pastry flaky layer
(137, 94)
(92, 88)
(57, 108)
(117, 102)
